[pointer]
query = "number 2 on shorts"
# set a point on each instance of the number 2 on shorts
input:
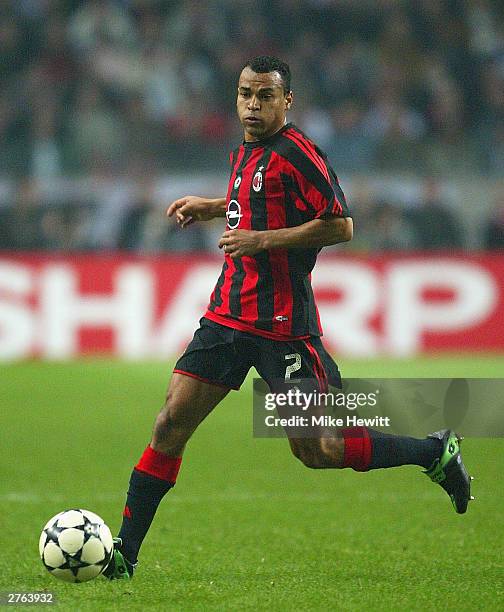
(293, 367)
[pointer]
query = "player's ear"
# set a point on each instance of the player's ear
(288, 100)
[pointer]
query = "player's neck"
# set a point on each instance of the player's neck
(250, 138)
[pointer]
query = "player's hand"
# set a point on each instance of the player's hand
(189, 209)
(238, 243)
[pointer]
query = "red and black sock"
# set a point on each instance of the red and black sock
(368, 449)
(153, 476)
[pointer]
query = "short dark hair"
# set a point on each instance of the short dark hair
(268, 63)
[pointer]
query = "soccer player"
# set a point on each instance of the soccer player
(283, 205)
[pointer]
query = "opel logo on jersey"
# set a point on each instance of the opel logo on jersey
(233, 214)
(237, 182)
(258, 180)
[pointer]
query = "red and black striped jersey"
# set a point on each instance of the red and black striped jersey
(282, 181)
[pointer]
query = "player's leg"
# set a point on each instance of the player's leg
(438, 454)
(209, 368)
(282, 363)
(319, 453)
(188, 402)
(357, 447)
(362, 448)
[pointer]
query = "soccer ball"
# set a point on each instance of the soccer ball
(75, 545)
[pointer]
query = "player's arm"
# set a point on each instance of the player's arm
(193, 208)
(313, 234)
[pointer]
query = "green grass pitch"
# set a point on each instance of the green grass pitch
(247, 526)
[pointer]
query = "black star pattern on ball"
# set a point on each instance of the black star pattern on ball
(73, 561)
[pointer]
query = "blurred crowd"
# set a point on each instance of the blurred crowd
(129, 215)
(114, 87)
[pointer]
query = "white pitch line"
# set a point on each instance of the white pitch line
(24, 497)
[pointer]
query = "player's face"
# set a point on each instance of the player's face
(262, 103)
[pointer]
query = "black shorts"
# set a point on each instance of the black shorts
(223, 356)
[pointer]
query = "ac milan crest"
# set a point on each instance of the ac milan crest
(258, 180)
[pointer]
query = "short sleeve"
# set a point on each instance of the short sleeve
(314, 181)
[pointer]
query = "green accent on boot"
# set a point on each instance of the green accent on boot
(119, 567)
(451, 447)
(449, 472)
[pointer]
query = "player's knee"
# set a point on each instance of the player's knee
(169, 421)
(163, 424)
